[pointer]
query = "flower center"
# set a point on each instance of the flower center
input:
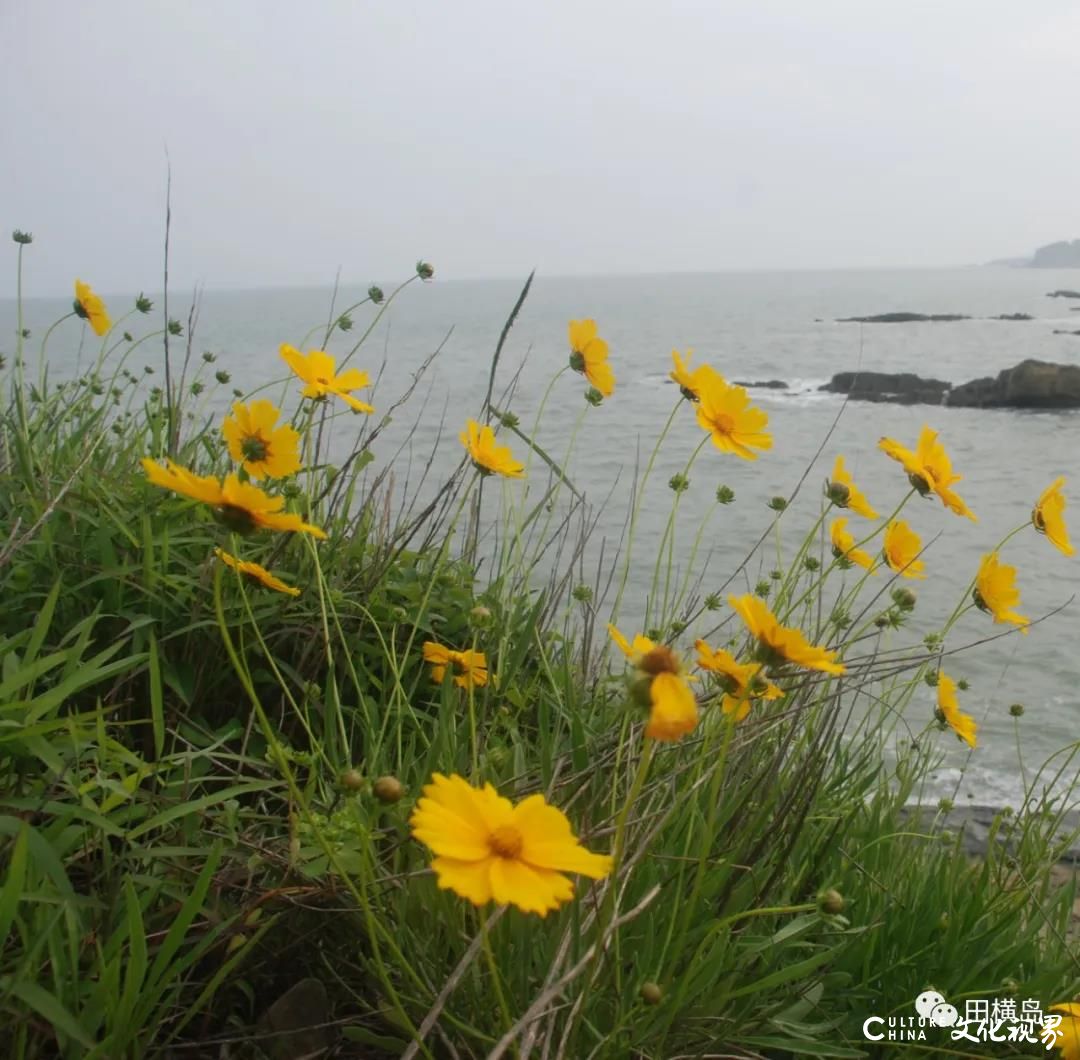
(661, 660)
(239, 520)
(506, 841)
(724, 422)
(459, 664)
(255, 448)
(322, 380)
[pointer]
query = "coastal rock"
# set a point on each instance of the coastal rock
(1029, 385)
(904, 318)
(904, 388)
(1013, 316)
(1063, 294)
(1060, 331)
(765, 384)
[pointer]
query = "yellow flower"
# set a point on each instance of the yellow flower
(741, 682)
(1049, 517)
(468, 667)
(589, 354)
(256, 572)
(254, 442)
(929, 469)
(317, 369)
(1068, 1031)
(486, 849)
(996, 593)
(486, 454)
(688, 380)
(845, 494)
(783, 641)
(902, 546)
(726, 413)
(960, 723)
(90, 307)
(843, 546)
(672, 705)
(237, 505)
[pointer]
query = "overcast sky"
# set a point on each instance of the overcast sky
(491, 135)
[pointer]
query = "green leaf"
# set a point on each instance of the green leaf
(49, 1008)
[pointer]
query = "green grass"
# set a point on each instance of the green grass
(187, 821)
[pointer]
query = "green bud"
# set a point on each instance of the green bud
(838, 493)
(351, 780)
(175, 327)
(724, 494)
(128, 337)
(197, 388)
(713, 602)
(945, 805)
(762, 589)
(1017, 710)
(25, 333)
(344, 322)
(593, 396)
(831, 902)
(425, 270)
(652, 993)
(237, 392)
(678, 628)
(931, 679)
(480, 615)
(812, 563)
(22, 238)
(904, 598)
(222, 377)
(679, 483)
(508, 419)
(583, 594)
(209, 357)
(778, 504)
(375, 293)
(388, 789)
(776, 575)
(143, 304)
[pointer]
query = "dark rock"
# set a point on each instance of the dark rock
(904, 388)
(1063, 294)
(1013, 316)
(905, 318)
(1060, 331)
(296, 1024)
(766, 384)
(979, 826)
(1029, 385)
(1063, 255)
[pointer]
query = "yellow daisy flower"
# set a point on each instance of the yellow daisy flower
(487, 456)
(960, 723)
(1048, 517)
(264, 451)
(843, 546)
(843, 492)
(682, 374)
(589, 355)
(1068, 1031)
(468, 667)
(783, 642)
(672, 706)
(929, 469)
(996, 593)
(318, 370)
(91, 308)
(741, 682)
(486, 849)
(900, 549)
(256, 572)
(238, 505)
(725, 412)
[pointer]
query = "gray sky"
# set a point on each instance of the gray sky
(493, 135)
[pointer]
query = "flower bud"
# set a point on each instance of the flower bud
(375, 293)
(425, 270)
(351, 780)
(175, 327)
(209, 357)
(651, 993)
(812, 563)
(508, 419)
(838, 493)
(762, 589)
(963, 684)
(22, 238)
(679, 483)
(904, 598)
(595, 398)
(1017, 710)
(945, 805)
(778, 504)
(724, 494)
(344, 322)
(583, 594)
(222, 377)
(143, 304)
(388, 789)
(480, 615)
(713, 602)
(831, 902)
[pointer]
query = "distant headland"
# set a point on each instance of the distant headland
(1062, 255)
